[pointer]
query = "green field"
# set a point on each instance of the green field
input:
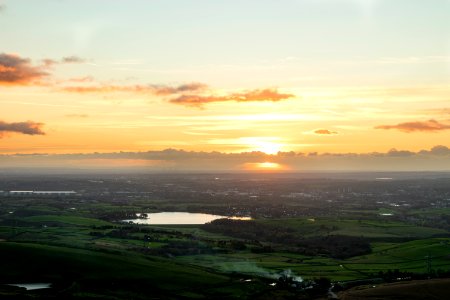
(366, 228)
(408, 256)
(85, 256)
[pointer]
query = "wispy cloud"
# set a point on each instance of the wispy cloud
(169, 90)
(425, 126)
(105, 89)
(82, 79)
(439, 111)
(65, 60)
(253, 95)
(400, 60)
(77, 116)
(161, 90)
(28, 127)
(325, 132)
(73, 60)
(15, 70)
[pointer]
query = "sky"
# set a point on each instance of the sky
(246, 82)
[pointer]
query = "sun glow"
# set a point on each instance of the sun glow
(264, 144)
(268, 165)
(268, 147)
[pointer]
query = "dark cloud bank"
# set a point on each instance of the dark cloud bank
(170, 160)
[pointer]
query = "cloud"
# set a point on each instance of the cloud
(170, 90)
(48, 62)
(103, 89)
(430, 126)
(150, 88)
(261, 95)
(438, 150)
(325, 132)
(196, 100)
(29, 127)
(72, 60)
(82, 79)
(402, 153)
(254, 95)
(15, 70)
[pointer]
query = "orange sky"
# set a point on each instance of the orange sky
(362, 79)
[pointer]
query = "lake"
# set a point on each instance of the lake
(179, 218)
(32, 286)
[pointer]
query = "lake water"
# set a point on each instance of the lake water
(32, 286)
(179, 218)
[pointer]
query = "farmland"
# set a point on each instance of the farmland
(80, 246)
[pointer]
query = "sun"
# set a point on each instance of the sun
(264, 167)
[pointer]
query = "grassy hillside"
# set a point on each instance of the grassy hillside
(87, 269)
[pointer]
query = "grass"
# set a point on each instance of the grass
(81, 273)
(20, 261)
(71, 220)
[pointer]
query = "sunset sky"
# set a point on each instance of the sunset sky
(303, 76)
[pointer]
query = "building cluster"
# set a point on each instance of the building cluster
(38, 193)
